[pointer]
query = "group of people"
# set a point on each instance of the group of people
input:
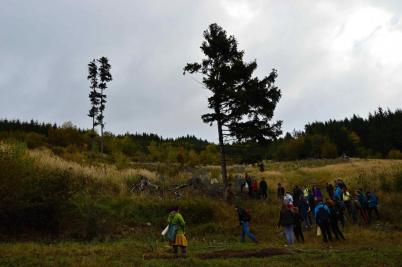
(303, 204)
(301, 207)
(257, 190)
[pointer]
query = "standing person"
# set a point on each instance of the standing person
(176, 234)
(354, 209)
(305, 192)
(304, 212)
(330, 190)
(280, 192)
(322, 216)
(242, 183)
(247, 178)
(297, 225)
(254, 189)
(337, 196)
(263, 189)
(311, 201)
(288, 199)
(297, 193)
(347, 199)
(286, 219)
(317, 193)
(361, 197)
(334, 218)
(372, 205)
(244, 221)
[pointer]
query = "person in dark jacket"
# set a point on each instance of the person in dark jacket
(280, 192)
(311, 201)
(297, 193)
(298, 225)
(263, 189)
(286, 219)
(322, 216)
(304, 212)
(244, 221)
(330, 190)
(354, 209)
(372, 205)
(334, 218)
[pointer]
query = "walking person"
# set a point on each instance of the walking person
(263, 189)
(322, 216)
(176, 234)
(298, 219)
(286, 219)
(244, 221)
(334, 218)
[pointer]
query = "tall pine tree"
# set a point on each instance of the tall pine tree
(93, 95)
(104, 77)
(98, 76)
(242, 105)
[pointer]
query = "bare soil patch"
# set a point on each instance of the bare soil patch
(261, 253)
(224, 254)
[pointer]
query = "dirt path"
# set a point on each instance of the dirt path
(224, 254)
(266, 252)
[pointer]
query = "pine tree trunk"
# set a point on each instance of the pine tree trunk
(101, 139)
(223, 160)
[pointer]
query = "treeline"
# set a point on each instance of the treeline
(81, 145)
(378, 136)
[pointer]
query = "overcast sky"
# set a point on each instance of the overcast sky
(334, 59)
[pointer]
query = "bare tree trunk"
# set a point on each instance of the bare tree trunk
(223, 159)
(101, 139)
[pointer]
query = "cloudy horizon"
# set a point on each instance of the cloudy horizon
(334, 59)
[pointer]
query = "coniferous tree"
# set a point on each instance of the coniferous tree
(104, 77)
(242, 105)
(93, 95)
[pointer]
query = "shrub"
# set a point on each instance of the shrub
(395, 154)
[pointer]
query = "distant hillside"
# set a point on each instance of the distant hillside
(378, 136)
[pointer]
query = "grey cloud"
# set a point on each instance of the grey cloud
(46, 46)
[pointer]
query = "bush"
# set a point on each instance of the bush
(395, 154)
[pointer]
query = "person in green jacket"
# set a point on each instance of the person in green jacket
(177, 223)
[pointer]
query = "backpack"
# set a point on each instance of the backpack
(323, 215)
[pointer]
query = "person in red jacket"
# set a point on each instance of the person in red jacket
(254, 189)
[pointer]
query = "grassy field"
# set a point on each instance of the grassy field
(100, 223)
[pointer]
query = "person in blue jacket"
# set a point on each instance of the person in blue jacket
(322, 215)
(362, 198)
(338, 193)
(372, 205)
